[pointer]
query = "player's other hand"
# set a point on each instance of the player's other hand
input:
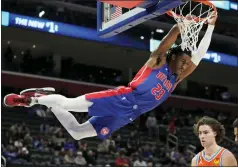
(212, 18)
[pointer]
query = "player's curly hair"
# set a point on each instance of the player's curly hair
(177, 50)
(214, 124)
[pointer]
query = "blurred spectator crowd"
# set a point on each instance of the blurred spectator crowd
(34, 137)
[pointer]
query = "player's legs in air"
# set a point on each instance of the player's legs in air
(102, 124)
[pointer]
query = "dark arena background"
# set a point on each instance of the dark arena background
(55, 43)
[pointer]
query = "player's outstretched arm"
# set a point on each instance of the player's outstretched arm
(205, 42)
(202, 48)
(166, 42)
(228, 159)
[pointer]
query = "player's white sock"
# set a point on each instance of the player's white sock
(78, 104)
(76, 130)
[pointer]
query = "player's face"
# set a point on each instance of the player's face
(181, 63)
(206, 135)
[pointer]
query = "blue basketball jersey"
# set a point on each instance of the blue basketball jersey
(151, 87)
(114, 108)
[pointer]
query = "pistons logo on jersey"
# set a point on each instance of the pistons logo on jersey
(216, 162)
(104, 131)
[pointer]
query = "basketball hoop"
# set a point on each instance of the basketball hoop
(191, 23)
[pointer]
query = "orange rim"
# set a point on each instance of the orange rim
(205, 2)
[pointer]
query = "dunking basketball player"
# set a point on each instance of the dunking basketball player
(211, 132)
(113, 109)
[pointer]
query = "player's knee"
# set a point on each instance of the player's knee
(75, 104)
(75, 135)
(64, 105)
(54, 99)
(62, 101)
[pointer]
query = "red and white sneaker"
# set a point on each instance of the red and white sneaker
(12, 100)
(27, 97)
(37, 92)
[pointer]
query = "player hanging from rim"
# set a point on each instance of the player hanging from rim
(211, 132)
(115, 108)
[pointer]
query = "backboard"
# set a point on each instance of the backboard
(116, 16)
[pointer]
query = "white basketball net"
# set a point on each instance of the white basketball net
(190, 27)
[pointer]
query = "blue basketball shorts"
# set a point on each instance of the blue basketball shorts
(111, 110)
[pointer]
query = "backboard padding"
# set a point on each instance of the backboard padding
(133, 17)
